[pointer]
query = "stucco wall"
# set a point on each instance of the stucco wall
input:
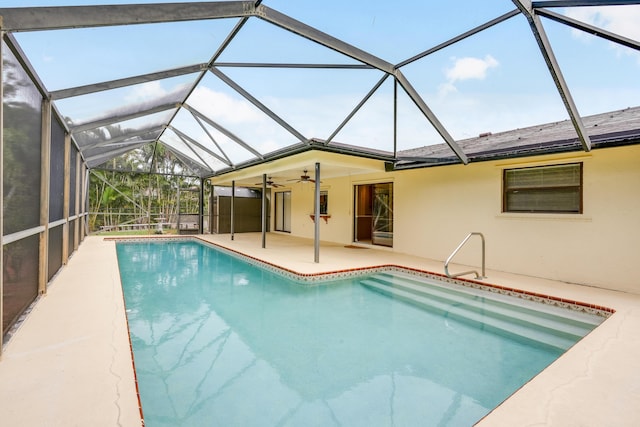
(435, 208)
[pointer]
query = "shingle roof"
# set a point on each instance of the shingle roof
(614, 128)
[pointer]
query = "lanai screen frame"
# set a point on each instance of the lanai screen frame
(49, 18)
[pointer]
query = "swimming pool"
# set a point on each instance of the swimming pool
(219, 341)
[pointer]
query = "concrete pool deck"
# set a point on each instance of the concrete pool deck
(69, 362)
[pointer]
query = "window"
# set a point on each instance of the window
(543, 189)
(324, 203)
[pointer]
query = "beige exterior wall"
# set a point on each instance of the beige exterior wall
(435, 208)
(337, 228)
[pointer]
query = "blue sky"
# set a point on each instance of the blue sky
(492, 82)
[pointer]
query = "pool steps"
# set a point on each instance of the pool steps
(548, 325)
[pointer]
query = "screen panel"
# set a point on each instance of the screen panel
(56, 176)
(72, 234)
(55, 250)
(22, 145)
(72, 181)
(19, 278)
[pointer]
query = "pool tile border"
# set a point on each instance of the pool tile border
(317, 278)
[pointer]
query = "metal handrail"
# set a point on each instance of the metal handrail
(446, 264)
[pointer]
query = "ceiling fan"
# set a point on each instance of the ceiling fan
(270, 183)
(304, 178)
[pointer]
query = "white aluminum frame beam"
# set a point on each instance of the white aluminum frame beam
(357, 108)
(224, 131)
(460, 37)
(123, 138)
(293, 65)
(426, 111)
(187, 138)
(225, 43)
(66, 17)
(226, 79)
(202, 162)
(102, 157)
(593, 30)
(13, 45)
(581, 3)
(117, 145)
(310, 33)
(283, 21)
(129, 81)
(213, 140)
(81, 127)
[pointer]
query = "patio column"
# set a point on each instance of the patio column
(316, 220)
(85, 198)
(233, 203)
(264, 210)
(201, 210)
(1, 184)
(76, 202)
(45, 167)
(66, 197)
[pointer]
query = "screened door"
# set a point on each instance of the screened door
(283, 211)
(374, 214)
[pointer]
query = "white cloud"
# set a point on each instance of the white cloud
(145, 92)
(223, 108)
(470, 68)
(467, 68)
(241, 118)
(620, 20)
(446, 88)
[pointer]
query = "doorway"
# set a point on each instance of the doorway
(373, 219)
(283, 211)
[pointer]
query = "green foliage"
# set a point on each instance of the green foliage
(125, 198)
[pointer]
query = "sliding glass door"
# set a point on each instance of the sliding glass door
(373, 219)
(283, 211)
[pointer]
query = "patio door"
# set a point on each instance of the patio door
(373, 219)
(283, 211)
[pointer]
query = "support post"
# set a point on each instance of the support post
(177, 206)
(316, 210)
(149, 205)
(85, 197)
(264, 210)
(76, 222)
(65, 198)
(395, 117)
(2, 76)
(201, 210)
(45, 168)
(233, 205)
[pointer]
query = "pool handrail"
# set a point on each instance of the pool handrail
(446, 264)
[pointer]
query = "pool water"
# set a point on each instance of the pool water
(221, 342)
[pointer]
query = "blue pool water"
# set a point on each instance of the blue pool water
(220, 342)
